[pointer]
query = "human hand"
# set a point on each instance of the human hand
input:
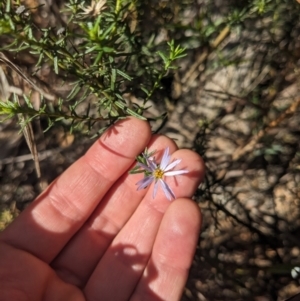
(92, 236)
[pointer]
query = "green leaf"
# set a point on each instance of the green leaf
(28, 102)
(131, 112)
(145, 90)
(126, 76)
(55, 63)
(74, 92)
(163, 56)
(113, 79)
(108, 49)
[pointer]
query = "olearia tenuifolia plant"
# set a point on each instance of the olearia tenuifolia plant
(156, 172)
(100, 50)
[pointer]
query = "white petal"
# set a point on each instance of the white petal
(155, 190)
(152, 165)
(145, 167)
(172, 165)
(165, 159)
(167, 190)
(175, 173)
(145, 182)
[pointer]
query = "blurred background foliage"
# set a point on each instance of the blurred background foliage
(232, 95)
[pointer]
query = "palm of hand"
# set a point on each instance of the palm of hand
(92, 236)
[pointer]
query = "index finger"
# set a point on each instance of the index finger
(48, 224)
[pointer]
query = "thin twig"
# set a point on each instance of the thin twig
(240, 152)
(6, 61)
(28, 157)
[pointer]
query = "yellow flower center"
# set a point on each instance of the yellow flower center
(158, 173)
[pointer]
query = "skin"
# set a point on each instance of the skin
(92, 236)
